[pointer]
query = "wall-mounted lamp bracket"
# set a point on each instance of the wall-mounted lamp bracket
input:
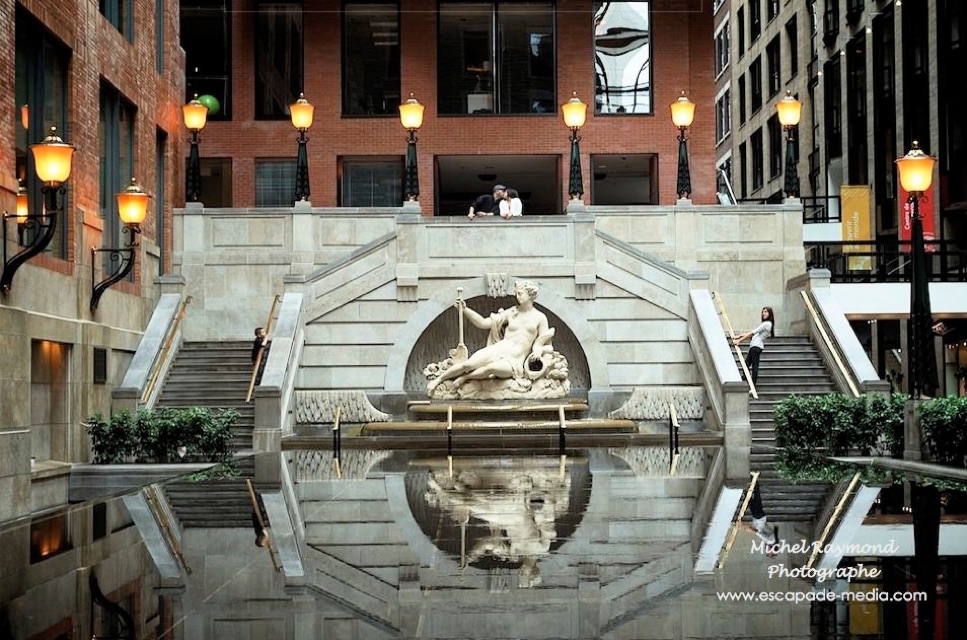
(43, 227)
(123, 257)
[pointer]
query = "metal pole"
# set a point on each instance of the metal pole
(575, 184)
(792, 176)
(193, 175)
(684, 188)
(411, 181)
(302, 169)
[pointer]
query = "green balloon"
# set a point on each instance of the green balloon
(211, 102)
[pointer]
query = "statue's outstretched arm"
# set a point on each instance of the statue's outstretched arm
(476, 319)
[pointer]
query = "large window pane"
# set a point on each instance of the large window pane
(278, 58)
(501, 58)
(371, 182)
(120, 14)
(206, 39)
(274, 183)
(622, 57)
(40, 102)
(371, 59)
(116, 142)
(625, 179)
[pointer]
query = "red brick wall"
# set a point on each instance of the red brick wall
(682, 58)
(99, 51)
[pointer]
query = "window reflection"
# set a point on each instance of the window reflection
(278, 58)
(502, 58)
(622, 57)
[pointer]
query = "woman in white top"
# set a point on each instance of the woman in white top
(757, 344)
(511, 206)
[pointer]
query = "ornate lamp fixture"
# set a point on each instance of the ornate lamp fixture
(132, 209)
(790, 111)
(411, 117)
(683, 112)
(301, 113)
(195, 114)
(52, 162)
(575, 113)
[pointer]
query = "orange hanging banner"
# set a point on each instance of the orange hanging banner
(857, 227)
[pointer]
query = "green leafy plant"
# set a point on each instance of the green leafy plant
(810, 429)
(944, 425)
(164, 435)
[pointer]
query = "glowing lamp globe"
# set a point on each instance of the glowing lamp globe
(790, 110)
(916, 170)
(195, 114)
(574, 112)
(132, 205)
(301, 113)
(411, 114)
(683, 111)
(52, 159)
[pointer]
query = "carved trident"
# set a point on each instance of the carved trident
(460, 353)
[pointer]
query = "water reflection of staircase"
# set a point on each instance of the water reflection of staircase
(214, 375)
(789, 365)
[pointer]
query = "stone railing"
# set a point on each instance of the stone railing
(273, 396)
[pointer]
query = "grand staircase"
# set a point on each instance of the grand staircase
(789, 365)
(214, 375)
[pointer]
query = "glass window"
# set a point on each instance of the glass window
(772, 59)
(206, 37)
(755, 20)
(502, 58)
(49, 536)
(772, 9)
(40, 103)
(216, 182)
(743, 171)
(625, 179)
(757, 174)
(158, 199)
(120, 14)
(742, 114)
(275, 183)
(755, 84)
(740, 19)
(723, 116)
(775, 146)
(278, 58)
(722, 49)
(622, 57)
(371, 59)
(371, 182)
(116, 142)
(159, 35)
(792, 45)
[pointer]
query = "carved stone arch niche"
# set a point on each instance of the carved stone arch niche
(442, 335)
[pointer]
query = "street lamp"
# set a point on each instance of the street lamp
(790, 111)
(195, 115)
(301, 113)
(575, 113)
(916, 174)
(132, 209)
(52, 162)
(683, 112)
(411, 117)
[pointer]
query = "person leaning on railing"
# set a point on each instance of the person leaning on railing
(260, 346)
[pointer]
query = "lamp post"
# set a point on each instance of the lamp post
(195, 115)
(411, 117)
(301, 113)
(683, 112)
(916, 175)
(575, 113)
(790, 111)
(52, 162)
(132, 209)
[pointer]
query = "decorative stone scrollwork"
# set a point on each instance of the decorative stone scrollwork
(497, 285)
(314, 406)
(318, 466)
(655, 462)
(651, 403)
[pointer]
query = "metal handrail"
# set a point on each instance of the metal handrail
(829, 345)
(673, 427)
(724, 554)
(258, 359)
(738, 351)
(262, 526)
(832, 520)
(165, 525)
(163, 356)
(888, 260)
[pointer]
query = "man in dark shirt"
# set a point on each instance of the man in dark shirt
(260, 345)
(488, 205)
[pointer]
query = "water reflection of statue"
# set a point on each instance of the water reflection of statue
(518, 352)
(519, 508)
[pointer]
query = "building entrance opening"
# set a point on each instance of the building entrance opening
(460, 179)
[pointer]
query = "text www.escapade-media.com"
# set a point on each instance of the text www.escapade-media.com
(822, 595)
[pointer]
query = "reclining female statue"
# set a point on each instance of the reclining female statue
(519, 338)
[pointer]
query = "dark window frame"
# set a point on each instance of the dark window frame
(120, 13)
(390, 111)
(202, 81)
(272, 109)
(344, 163)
